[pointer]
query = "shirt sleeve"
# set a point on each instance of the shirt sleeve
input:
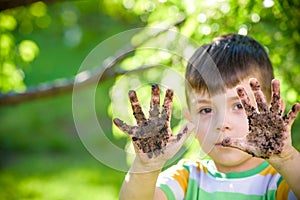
(173, 182)
(284, 191)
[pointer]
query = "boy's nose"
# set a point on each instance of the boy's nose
(222, 123)
(223, 127)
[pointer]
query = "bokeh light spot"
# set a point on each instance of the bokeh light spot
(38, 9)
(28, 50)
(7, 22)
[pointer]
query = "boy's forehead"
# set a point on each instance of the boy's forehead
(204, 97)
(230, 93)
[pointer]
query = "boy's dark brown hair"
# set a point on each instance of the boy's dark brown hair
(227, 61)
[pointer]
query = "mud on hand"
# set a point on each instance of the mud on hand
(152, 135)
(269, 131)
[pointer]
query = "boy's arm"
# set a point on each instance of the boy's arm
(141, 185)
(269, 134)
(154, 144)
(288, 167)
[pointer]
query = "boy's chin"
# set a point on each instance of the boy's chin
(229, 156)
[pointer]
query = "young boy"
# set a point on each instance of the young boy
(249, 143)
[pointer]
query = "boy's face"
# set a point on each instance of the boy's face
(218, 117)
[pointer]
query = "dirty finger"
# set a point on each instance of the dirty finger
(276, 102)
(155, 101)
(292, 114)
(245, 100)
(167, 107)
(136, 107)
(123, 126)
(259, 96)
(241, 144)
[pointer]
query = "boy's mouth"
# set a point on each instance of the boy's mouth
(223, 142)
(219, 144)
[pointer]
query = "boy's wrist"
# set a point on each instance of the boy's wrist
(289, 153)
(140, 166)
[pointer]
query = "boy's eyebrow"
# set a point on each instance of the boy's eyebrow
(234, 98)
(204, 100)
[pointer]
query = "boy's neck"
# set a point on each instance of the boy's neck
(251, 163)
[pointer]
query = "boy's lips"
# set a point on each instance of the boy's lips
(223, 141)
(220, 145)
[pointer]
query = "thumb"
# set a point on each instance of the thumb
(241, 144)
(123, 126)
(292, 114)
(183, 134)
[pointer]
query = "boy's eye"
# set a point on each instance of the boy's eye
(205, 111)
(238, 106)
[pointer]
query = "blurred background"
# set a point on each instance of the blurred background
(45, 42)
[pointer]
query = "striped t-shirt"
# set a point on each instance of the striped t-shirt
(201, 180)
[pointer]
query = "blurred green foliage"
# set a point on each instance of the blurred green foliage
(274, 24)
(41, 155)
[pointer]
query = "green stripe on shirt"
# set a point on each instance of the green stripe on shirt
(201, 194)
(168, 192)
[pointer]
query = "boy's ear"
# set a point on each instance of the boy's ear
(187, 115)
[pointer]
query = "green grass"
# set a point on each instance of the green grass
(58, 176)
(42, 156)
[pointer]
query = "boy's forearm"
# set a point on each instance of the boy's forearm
(289, 168)
(140, 183)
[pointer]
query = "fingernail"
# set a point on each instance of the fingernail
(239, 91)
(117, 121)
(253, 80)
(254, 84)
(154, 86)
(169, 92)
(131, 94)
(296, 107)
(275, 81)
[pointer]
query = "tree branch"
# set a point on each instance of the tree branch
(9, 4)
(62, 86)
(81, 80)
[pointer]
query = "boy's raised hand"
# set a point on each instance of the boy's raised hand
(269, 132)
(152, 137)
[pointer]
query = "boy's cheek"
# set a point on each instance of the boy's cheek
(188, 115)
(205, 135)
(201, 127)
(206, 142)
(199, 131)
(240, 125)
(200, 138)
